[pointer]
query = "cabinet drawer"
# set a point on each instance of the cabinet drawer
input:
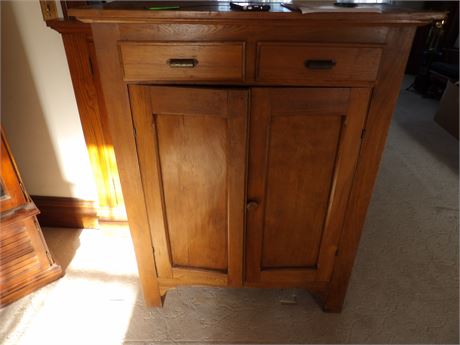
(317, 63)
(182, 61)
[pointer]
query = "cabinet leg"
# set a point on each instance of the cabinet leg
(333, 303)
(329, 303)
(154, 300)
(332, 298)
(153, 295)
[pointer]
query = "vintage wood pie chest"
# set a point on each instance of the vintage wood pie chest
(248, 144)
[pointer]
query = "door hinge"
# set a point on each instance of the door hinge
(363, 133)
(135, 131)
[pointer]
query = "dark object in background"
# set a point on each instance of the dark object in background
(65, 5)
(447, 115)
(434, 56)
(249, 6)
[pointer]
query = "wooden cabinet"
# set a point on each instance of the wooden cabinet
(25, 261)
(248, 143)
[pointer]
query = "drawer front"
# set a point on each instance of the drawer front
(183, 61)
(317, 63)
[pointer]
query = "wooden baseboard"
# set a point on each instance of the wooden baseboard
(66, 212)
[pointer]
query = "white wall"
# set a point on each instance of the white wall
(38, 108)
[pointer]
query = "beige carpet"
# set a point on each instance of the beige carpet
(404, 287)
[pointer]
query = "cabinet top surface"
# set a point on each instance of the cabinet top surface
(202, 11)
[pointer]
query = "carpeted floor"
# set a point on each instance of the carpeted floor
(404, 288)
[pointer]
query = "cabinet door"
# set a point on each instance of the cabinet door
(191, 144)
(304, 144)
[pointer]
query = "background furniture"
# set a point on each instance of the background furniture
(434, 55)
(80, 53)
(248, 143)
(447, 115)
(25, 261)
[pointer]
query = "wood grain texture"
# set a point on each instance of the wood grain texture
(191, 146)
(66, 212)
(193, 155)
(301, 159)
(23, 243)
(183, 276)
(134, 12)
(151, 61)
(13, 196)
(288, 153)
(147, 151)
(93, 117)
(314, 101)
(310, 169)
(286, 62)
(347, 156)
(121, 127)
(26, 211)
(69, 26)
(301, 168)
(252, 31)
(81, 58)
(25, 261)
(237, 143)
(378, 121)
(112, 207)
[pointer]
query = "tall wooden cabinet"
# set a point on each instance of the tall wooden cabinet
(248, 143)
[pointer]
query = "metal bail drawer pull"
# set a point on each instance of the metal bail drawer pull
(182, 63)
(319, 64)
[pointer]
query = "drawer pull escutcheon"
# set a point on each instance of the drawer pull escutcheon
(319, 64)
(182, 63)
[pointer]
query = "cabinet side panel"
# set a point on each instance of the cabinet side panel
(121, 128)
(382, 105)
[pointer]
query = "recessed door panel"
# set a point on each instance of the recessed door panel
(301, 158)
(193, 160)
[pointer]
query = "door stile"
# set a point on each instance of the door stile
(347, 155)
(147, 148)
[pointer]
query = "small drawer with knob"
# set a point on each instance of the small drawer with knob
(317, 64)
(182, 61)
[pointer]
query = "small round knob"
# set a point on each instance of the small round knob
(252, 205)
